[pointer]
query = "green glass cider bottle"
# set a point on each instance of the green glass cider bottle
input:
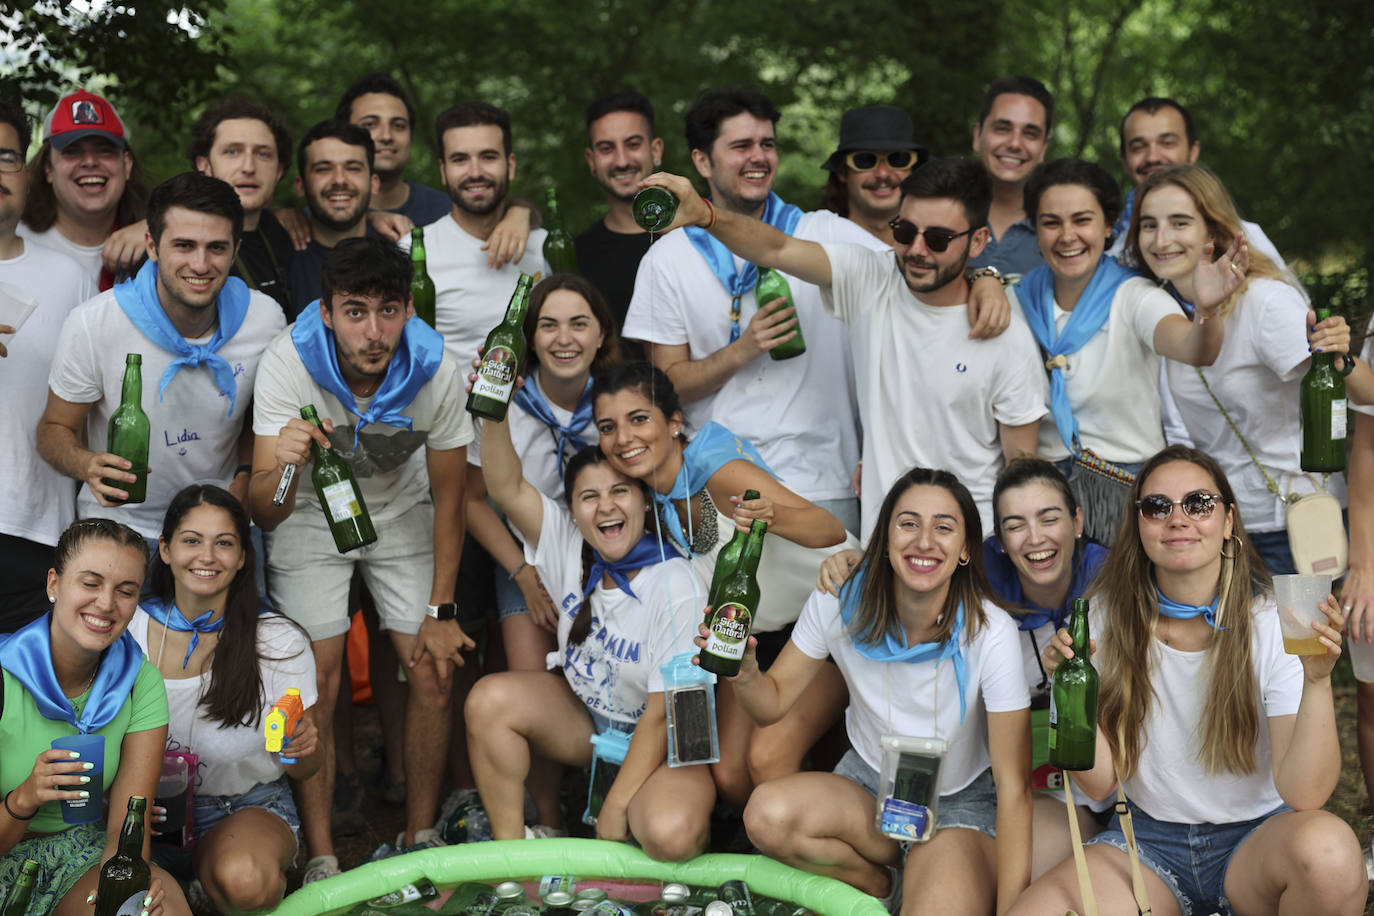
(1323, 409)
(733, 617)
(501, 358)
(1073, 700)
(773, 285)
(339, 494)
(17, 903)
(727, 561)
(125, 876)
(559, 250)
(654, 209)
(421, 286)
(129, 431)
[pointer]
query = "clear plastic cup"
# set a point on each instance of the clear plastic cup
(1362, 660)
(1299, 599)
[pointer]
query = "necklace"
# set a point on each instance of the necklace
(90, 681)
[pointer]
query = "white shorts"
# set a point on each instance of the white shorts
(308, 579)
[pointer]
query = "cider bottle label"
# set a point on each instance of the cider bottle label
(1338, 419)
(133, 906)
(729, 630)
(1054, 723)
(496, 378)
(341, 501)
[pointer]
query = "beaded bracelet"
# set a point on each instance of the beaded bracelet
(10, 811)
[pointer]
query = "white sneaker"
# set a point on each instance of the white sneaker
(540, 832)
(423, 838)
(320, 868)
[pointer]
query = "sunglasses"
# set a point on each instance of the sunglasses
(1197, 505)
(904, 232)
(867, 161)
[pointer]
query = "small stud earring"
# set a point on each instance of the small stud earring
(51, 600)
(657, 163)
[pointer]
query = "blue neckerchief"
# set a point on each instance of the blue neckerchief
(646, 552)
(171, 617)
(892, 649)
(781, 216)
(1036, 293)
(1171, 608)
(709, 451)
(1123, 222)
(414, 363)
(532, 399)
(1173, 291)
(137, 296)
(1006, 583)
(27, 656)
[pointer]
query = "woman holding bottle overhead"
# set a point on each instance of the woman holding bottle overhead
(1243, 409)
(225, 660)
(76, 671)
(625, 607)
(1226, 745)
(1102, 329)
(641, 425)
(1037, 562)
(930, 662)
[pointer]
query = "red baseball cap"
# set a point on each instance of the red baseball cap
(83, 114)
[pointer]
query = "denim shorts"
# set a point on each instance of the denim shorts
(974, 807)
(1190, 858)
(210, 810)
(509, 599)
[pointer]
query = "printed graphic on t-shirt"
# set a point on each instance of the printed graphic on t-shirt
(377, 453)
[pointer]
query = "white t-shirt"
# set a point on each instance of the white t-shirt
(921, 700)
(801, 413)
(234, 760)
(1256, 377)
(192, 440)
(88, 256)
(1113, 380)
(389, 461)
(929, 396)
(1171, 783)
(537, 446)
(1366, 354)
(616, 667)
(39, 502)
(471, 298)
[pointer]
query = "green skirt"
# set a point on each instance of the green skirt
(62, 859)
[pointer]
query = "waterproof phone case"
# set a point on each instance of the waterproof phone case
(908, 787)
(690, 695)
(608, 753)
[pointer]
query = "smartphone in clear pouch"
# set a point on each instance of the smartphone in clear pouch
(608, 753)
(908, 787)
(690, 696)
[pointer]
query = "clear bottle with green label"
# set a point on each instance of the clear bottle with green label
(654, 209)
(17, 903)
(1073, 700)
(773, 285)
(1323, 410)
(733, 616)
(422, 890)
(338, 492)
(125, 876)
(129, 432)
(501, 358)
(727, 561)
(421, 286)
(559, 250)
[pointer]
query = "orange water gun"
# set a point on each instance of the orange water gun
(281, 722)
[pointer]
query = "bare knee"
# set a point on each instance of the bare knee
(490, 702)
(771, 757)
(239, 882)
(733, 783)
(770, 820)
(674, 834)
(1326, 856)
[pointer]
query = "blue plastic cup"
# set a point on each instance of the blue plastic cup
(92, 750)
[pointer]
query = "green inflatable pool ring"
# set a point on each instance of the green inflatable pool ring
(497, 861)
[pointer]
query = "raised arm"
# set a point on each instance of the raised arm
(1306, 747)
(788, 515)
(751, 239)
(505, 481)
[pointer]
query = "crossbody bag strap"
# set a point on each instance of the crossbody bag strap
(1268, 481)
(1080, 861)
(1142, 900)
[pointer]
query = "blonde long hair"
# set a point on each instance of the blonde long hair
(1229, 727)
(1218, 212)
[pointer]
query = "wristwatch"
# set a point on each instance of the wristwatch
(446, 611)
(988, 271)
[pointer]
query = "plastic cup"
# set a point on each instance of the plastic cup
(92, 750)
(1362, 660)
(171, 795)
(1299, 599)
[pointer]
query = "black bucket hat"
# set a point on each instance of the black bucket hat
(875, 127)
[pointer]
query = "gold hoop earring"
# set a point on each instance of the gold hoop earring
(965, 560)
(1235, 552)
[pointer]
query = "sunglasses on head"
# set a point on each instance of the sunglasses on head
(904, 232)
(1197, 505)
(867, 160)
